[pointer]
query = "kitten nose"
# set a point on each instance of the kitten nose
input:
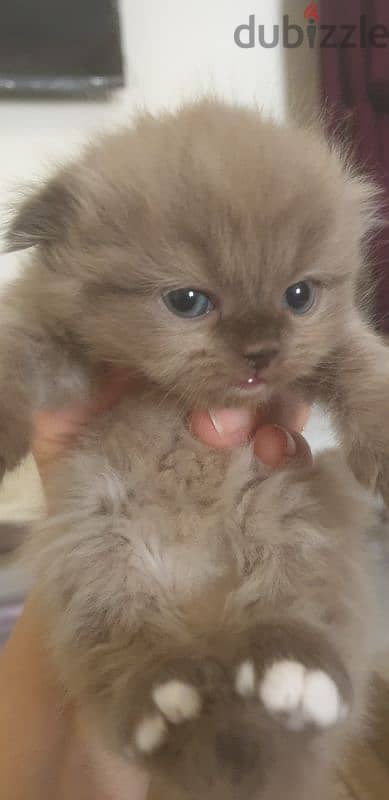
(260, 359)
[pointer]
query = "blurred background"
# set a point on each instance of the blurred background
(70, 69)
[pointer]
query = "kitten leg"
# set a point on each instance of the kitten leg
(35, 372)
(17, 394)
(355, 387)
(208, 700)
(303, 560)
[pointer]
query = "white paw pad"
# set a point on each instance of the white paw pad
(178, 701)
(304, 696)
(245, 679)
(150, 733)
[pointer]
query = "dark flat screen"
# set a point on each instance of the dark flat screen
(59, 46)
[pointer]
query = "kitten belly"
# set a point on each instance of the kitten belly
(161, 464)
(142, 515)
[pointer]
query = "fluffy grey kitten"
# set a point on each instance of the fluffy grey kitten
(215, 626)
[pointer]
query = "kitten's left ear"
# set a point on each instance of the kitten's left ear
(44, 216)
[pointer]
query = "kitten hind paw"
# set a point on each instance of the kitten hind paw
(298, 684)
(176, 702)
(300, 696)
(296, 695)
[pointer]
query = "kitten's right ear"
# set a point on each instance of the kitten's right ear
(42, 217)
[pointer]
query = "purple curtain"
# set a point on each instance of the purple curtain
(356, 85)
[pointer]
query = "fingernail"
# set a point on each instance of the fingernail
(232, 420)
(216, 423)
(290, 443)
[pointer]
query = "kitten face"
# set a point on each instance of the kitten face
(211, 251)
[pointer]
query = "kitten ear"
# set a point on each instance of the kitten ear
(43, 216)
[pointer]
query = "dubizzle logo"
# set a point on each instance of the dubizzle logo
(314, 34)
(311, 12)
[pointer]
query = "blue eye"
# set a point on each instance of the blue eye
(188, 303)
(300, 297)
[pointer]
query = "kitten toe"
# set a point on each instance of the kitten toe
(245, 679)
(150, 733)
(178, 701)
(321, 702)
(282, 688)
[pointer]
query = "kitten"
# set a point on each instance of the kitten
(213, 624)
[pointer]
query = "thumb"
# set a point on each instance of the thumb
(228, 427)
(275, 447)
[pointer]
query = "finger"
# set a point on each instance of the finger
(290, 412)
(111, 775)
(56, 430)
(65, 423)
(275, 447)
(223, 428)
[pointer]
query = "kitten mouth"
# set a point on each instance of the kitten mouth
(251, 383)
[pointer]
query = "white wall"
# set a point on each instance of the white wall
(173, 49)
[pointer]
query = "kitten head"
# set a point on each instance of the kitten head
(212, 251)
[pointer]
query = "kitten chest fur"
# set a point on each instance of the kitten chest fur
(173, 499)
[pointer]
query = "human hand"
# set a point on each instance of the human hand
(277, 435)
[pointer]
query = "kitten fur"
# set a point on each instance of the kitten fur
(214, 625)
